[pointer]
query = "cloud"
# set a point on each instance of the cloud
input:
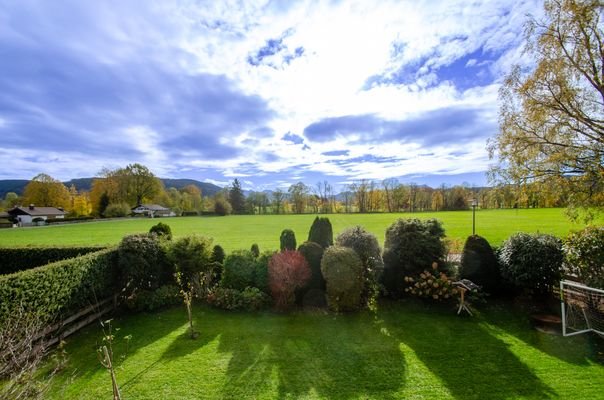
(206, 90)
(437, 127)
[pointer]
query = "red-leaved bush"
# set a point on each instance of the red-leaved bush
(287, 272)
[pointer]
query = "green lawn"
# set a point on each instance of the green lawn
(403, 351)
(239, 232)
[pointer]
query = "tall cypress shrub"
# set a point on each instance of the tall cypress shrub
(321, 232)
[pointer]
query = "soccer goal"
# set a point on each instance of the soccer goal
(582, 309)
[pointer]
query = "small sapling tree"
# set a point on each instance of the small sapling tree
(192, 259)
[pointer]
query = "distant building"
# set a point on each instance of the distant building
(29, 215)
(153, 210)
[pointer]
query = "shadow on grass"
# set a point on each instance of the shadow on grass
(466, 357)
(301, 354)
(579, 350)
(82, 348)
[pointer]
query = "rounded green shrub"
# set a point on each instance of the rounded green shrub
(288, 240)
(584, 252)
(366, 245)
(192, 258)
(479, 264)
(321, 232)
(117, 210)
(222, 207)
(411, 246)
(150, 300)
(162, 230)
(342, 269)
(242, 269)
(532, 262)
(141, 262)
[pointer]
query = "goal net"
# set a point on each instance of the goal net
(582, 309)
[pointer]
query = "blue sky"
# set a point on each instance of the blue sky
(270, 92)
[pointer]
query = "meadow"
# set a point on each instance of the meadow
(405, 350)
(240, 231)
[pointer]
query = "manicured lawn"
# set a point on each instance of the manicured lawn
(403, 351)
(239, 232)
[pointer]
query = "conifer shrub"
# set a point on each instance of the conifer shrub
(342, 269)
(313, 294)
(288, 271)
(255, 250)
(287, 240)
(218, 254)
(584, 252)
(366, 245)
(410, 247)
(321, 232)
(162, 230)
(532, 262)
(479, 264)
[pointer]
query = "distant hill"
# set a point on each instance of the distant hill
(18, 185)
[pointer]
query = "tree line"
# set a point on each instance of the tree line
(115, 192)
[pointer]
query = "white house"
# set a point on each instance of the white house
(153, 210)
(28, 215)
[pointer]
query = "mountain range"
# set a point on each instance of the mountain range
(18, 185)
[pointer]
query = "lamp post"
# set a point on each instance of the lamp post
(474, 204)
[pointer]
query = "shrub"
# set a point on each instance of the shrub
(288, 271)
(255, 250)
(342, 269)
(218, 254)
(13, 259)
(479, 264)
(288, 240)
(313, 293)
(532, 262)
(149, 300)
(140, 262)
(432, 285)
(222, 207)
(250, 299)
(60, 288)
(242, 269)
(117, 210)
(366, 246)
(192, 258)
(411, 245)
(162, 230)
(261, 270)
(585, 256)
(321, 232)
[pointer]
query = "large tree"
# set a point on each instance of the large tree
(237, 198)
(45, 191)
(552, 115)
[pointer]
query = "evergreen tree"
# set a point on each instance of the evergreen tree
(236, 197)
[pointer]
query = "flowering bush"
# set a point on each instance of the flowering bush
(287, 272)
(431, 285)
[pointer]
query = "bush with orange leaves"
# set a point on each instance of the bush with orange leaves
(433, 285)
(288, 271)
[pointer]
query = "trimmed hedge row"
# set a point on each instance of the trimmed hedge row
(56, 289)
(22, 258)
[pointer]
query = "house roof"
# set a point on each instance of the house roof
(36, 211)
(152, 207)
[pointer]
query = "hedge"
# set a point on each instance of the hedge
(55, 290)
(22, 258)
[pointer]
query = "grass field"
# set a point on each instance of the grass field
(239, 232)
(403, 351)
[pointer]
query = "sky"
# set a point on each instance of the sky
(269, 92)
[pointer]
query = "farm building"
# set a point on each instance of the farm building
(153, 210)
(29, 215)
